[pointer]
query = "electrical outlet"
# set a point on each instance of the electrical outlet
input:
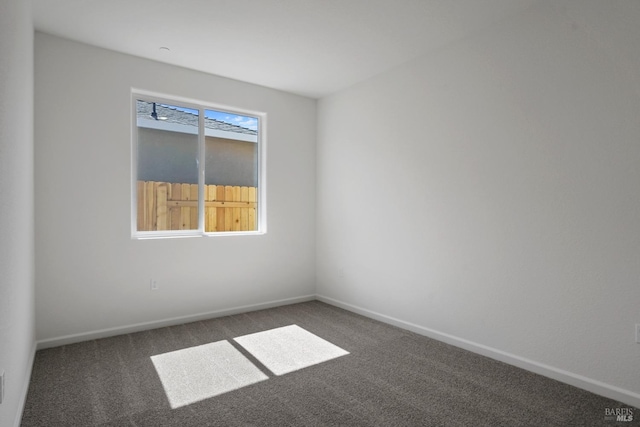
(153, 284)
(638, 333)
(1, 386)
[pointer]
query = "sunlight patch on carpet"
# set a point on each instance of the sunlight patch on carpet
(289, 348)
(197, 373)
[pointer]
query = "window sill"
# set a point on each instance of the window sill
(154, 236)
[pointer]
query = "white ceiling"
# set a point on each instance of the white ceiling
(309, 47)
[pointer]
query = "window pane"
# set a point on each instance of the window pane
(231, 172)
(167, 167)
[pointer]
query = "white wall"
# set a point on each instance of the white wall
(16, 204)
(488, 193)
(90, 275)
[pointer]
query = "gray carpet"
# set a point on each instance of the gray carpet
(390, 377)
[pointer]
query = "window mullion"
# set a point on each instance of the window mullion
(201, 172)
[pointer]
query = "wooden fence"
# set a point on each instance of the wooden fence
(174, 206)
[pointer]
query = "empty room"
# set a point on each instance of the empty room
(319, 213)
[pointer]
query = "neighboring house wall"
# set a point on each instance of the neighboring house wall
(90, 274)
(231, 162)
(16, 205)
(171, 157)
(489, 191)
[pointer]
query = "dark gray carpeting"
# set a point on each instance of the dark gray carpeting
(391, 377)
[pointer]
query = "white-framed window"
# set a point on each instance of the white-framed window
(197, 169)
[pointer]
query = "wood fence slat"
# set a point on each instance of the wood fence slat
(169, 193)
(236, 211)
(176, 212)
(244, 219)
(145, 209)
(213, 218)
(252, 211)
(140, 206)
(228, 212)
(252, 219)
(244, 212)
(149, 214)
(161, 207)
(228, 193)
(194, 211)
(210, 211)
(185, 212)
(207, 210)
(174, 206)
(154, 218)
(220, 214)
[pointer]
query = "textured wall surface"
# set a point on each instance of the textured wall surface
(90, 274)
(489, 191)
(16, 204)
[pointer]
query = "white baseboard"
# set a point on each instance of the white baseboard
(625, 396)
(109, 332)
(591, 385)
(25, 386)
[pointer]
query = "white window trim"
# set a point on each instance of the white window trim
(261, 211)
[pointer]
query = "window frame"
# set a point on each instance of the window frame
(201, 106)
